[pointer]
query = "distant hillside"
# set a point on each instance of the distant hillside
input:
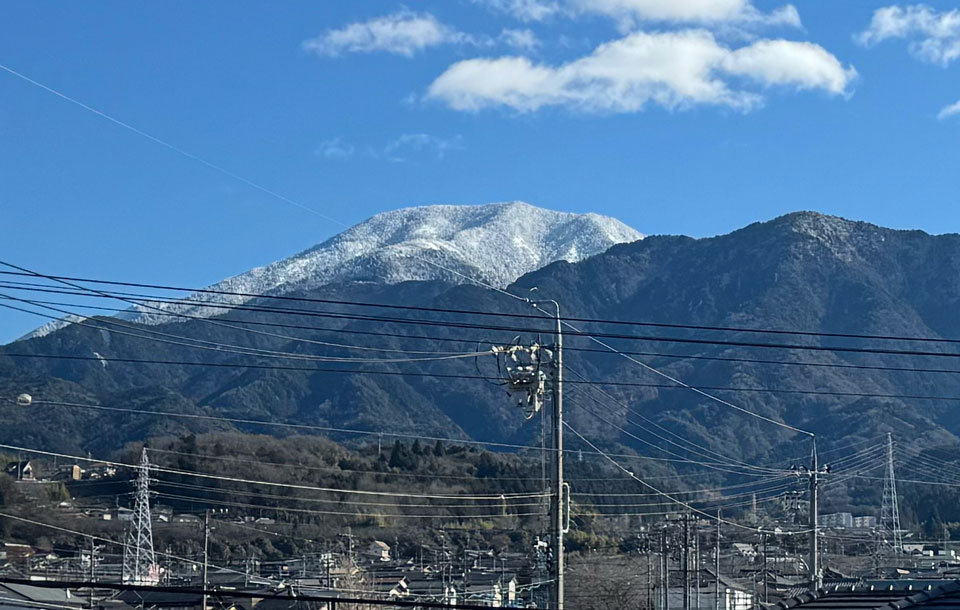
(801, 271)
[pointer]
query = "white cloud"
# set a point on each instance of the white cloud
(695, 11)
(335, 149)
(671, 69)
(421, 143)
(520, 39)
(525, 10)
(949, 111)
(629, 12)
(933, 36)
(403, 33)
(406, 33)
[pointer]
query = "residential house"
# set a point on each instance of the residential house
(377, 551)
(20, 470)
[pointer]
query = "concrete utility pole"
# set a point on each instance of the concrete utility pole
(685, 562)
(526, 379)
(716, 567)
(206, 543)
(813, 473)
(815, 580)
(765, 579)
(665, 571)
(558, 528)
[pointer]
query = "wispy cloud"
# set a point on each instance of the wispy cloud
(406, 33)
(524, 10)
(335, 148)
(932, 36)
(402, 33)
(631, 12)
(524, 40)
(671, 69)
(404, 147)
(409, 144)
(949, 111)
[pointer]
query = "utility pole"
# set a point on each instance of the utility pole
(765, 579)
(814, 521)
(558, 460)
(93, 553)
(716, 567)
(665, 571)
(525, 378)
(696, 565)
(813, 473)
(685, 562)
(206, 543)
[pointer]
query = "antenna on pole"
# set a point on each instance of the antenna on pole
(139, 561)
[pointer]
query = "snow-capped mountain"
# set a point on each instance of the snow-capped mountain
(494, 243)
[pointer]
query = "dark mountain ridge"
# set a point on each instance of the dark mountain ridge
(803, 271)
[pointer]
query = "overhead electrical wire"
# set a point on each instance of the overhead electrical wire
(406, 336)
(287, 297)
(698, 449)
(239, 349)
(376, 513)
(299, 205)
(162, 484)
(376, 473)
(719, 466)
(594, 336)
(611, 383)
(316, 488)
(663, 494)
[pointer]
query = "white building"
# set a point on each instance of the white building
(837, 520)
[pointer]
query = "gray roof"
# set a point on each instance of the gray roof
(881, 595)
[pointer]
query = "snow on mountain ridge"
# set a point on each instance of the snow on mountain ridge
(494, 243)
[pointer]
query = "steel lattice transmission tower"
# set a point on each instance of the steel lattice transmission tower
(139, 561)
(889, 508)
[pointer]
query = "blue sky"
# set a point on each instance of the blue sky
(676, 116)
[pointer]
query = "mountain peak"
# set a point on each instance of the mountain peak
(494, 243)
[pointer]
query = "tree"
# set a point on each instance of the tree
(397, 456)
(438, 449)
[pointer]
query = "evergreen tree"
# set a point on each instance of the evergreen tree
(396, 455)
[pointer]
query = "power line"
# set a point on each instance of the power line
(731, 329)
(377, 473)
(627, 384)
(628, 410)
(280, 424)
(744, 360)
(376, 513)
(361, 492)
(576, 332)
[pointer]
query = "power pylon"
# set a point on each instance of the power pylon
(139, 561)
(890, 535)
